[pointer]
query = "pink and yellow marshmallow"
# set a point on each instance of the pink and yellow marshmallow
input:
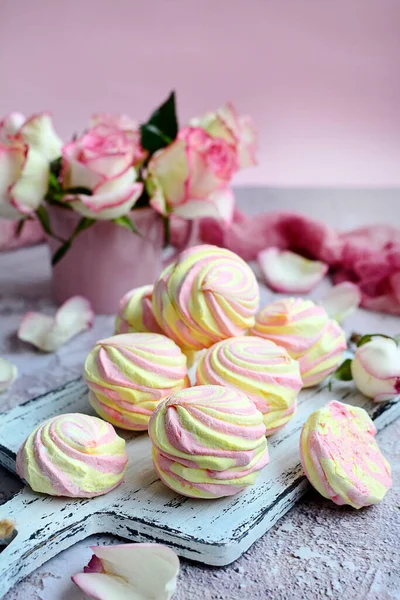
(135, 314)
(128, 375)
(209, 294)
(73, 455)
(208, 441)
(341, 458)
(307, 333)
(259, 368)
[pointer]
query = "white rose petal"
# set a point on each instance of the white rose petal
(50, 333)
(30, 189)
(106, 206)
(170, 169)
(219, 205)
(12, 160)
(8, 374)
(341, 300)
(77, 174)
(134, 571)
(11, 125)
(38, 132)
(224, 202)
(116, 184)
(290, 273)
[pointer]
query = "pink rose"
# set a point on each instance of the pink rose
(129, 127)
(238, 131)
(190, 177)
(101, 161)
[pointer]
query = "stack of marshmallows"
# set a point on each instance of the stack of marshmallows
(208, 440)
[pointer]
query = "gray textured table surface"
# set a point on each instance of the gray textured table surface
(318, 550)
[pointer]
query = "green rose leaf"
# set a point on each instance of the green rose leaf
(20, 226)
(54, 190)
(162, 127)
(44, 219)
(54, 184)
(167, 231)
(127, 223)
(62, 250)
(343, 372)
(84, 223)
(55, 167)
(368, 337)
(153, 139)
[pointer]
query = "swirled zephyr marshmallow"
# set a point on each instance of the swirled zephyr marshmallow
(209, 294)
(129, 374)
(135, 314)
(307, 333)
(341, 458)
(262, 370)
(208, 441)
(73, 455)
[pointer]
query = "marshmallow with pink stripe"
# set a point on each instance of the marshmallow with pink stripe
(73, 455)
(307, 333)
(208, 295)
(341, 457)
(130, 374)
(208, 441)
(259, 368)
(135, 312)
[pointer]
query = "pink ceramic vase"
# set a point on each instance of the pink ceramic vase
(106, 260)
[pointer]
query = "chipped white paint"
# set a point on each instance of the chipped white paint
(142, 508)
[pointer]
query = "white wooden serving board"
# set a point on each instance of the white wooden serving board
(214, 532)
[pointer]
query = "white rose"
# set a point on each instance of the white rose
(37, 132)
(24, 175)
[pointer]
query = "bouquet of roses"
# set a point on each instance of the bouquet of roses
(117, 165)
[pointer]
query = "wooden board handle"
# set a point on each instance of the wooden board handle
(44, 527)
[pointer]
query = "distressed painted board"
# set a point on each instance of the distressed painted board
(142, 508)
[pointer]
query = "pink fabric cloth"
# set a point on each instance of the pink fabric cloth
(31, 233)
(369, 257)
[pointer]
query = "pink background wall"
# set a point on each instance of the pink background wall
(321, 78)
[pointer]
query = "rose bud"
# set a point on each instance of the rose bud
(376, 368)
